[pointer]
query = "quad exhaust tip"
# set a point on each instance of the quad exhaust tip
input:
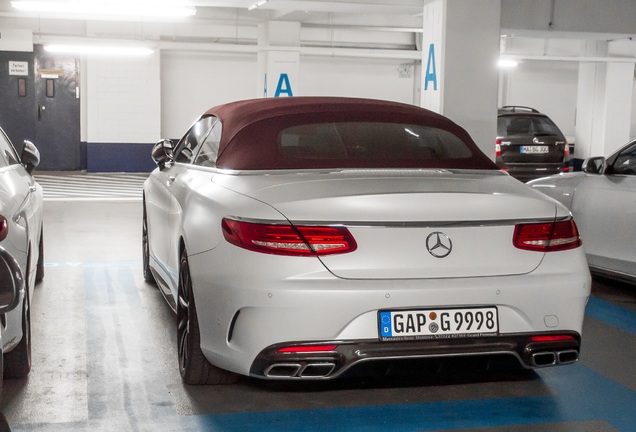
(551, 358)
(300, 370)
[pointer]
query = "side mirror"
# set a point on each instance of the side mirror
(30, 157)
(11, 282)
(594, 165)
(163, 152)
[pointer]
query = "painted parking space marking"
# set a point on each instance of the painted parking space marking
(576, 393)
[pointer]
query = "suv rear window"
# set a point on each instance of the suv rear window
(511, 125)
(352, 141)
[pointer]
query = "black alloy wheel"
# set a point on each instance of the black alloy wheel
(193, 366)
(17, 362)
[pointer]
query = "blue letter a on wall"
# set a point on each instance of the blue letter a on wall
(283, 86)
(431, 71)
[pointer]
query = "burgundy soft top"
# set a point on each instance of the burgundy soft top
(251, 127)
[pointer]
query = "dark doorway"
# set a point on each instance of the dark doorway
(57, 107)
(17, 97)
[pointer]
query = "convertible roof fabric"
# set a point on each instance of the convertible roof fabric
(251, 129)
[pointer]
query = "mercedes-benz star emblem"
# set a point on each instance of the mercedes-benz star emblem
(439, 244)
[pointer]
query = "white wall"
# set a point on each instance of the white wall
(550, 87)
(349, 77)
(193, 82)
(123, 100)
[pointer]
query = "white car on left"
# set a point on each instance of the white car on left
(21, 252)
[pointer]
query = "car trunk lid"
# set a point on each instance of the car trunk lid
(411, 223)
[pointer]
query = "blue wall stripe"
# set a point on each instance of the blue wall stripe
(119, 157)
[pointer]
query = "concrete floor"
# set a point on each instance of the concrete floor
(104, 359)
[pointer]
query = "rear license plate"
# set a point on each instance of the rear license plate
(437, 323)
(535, 149)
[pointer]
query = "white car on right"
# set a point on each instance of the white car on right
(602, 199)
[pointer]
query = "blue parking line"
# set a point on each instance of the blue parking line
(573, 393)
(577, 400)
(611, 314)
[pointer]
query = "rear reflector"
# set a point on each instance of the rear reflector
(308, 348)
(551, 338)
(547, 237)
(288, 239)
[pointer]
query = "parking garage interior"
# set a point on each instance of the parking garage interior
(103, 340)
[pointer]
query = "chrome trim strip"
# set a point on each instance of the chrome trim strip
(405, 224)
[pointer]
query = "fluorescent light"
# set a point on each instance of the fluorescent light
(103, 8)
(257, 4)
(507, 63)
(102, 51)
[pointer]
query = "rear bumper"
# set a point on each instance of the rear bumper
(272, 364)
(526, 172)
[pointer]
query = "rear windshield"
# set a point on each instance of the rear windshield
(364, 141)
(350, 140)
(526, 125)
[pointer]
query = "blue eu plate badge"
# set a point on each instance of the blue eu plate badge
(385, 324)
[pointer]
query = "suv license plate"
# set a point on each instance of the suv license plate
(437, 323)
(535, 149)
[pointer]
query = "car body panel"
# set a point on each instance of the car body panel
(313, 305)
(604, 206)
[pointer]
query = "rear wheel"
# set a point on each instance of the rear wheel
(1, 372)
(193, 366)
(148, 277)
(17, 363)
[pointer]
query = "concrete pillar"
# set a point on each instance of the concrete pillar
(278, 59)
(460, 50)
(604, 101)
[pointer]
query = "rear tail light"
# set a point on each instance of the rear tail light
(547, 237)
(566, 157)
(288, 239)
(4, 228)
(498, 148)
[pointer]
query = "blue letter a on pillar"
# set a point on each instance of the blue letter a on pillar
(431, 71)
(283, 86)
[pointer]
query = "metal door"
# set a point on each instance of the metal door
(17, 97)
(57, 111)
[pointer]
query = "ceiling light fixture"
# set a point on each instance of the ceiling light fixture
(113, 8)
(257, 4)
(101, 51)
(507, 63)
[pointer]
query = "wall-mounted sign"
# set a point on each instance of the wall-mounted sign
(19, 68)
(51, 73)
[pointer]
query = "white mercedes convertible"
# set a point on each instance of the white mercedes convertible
(298, 238)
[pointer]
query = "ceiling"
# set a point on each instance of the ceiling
(382, 25)
(397, 14)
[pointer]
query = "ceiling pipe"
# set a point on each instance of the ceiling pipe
(521, 57)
